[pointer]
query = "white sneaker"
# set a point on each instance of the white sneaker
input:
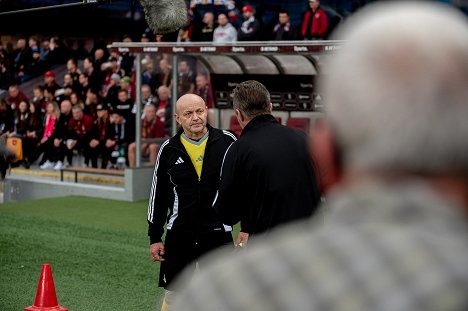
(47, 165)
(58, 166)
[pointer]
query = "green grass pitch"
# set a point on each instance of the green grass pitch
(98, 251)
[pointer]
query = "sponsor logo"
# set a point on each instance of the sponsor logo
(124, 50)
(237, 49)
(300, 49)
(269, 49)
(332, 47)
(176, 49)
(150, 49)
(207, 49)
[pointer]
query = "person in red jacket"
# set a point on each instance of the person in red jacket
(314, 22)
(80, 127)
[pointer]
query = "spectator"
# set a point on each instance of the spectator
(6, 118)
(22, 61)
(81, 126)
(32, 135)
(123, 104)
(314, 22)
(6, 78)
(90, 104)
(63, 134)
(15, 96)
(284, 30)
(73, 70)
(127, 59)
(250, 28)
(93, 74)
(204, 31)
(122, 134)
(46, 144)
(164, 111)
(50, 83)
(152, 126)
(186, 82)
(39, 100)
(21, 120)
(100, 136)
(58, 52)
(396, 228)
(203, 89)
(112, 91)
(37, 67)
(225, 32)
(128, 85)
(163, 76)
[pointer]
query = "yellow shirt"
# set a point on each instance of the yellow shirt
(195, 150)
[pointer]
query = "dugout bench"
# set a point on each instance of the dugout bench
(89, 170)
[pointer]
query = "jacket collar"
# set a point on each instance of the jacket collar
(258, 121)
(211, 136)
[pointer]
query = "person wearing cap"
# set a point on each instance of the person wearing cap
(111, 91)
(314, 22)
(250, 28)
(49, 82)
(100, 135)
(122, 134)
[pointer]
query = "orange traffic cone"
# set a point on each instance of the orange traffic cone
(46, 299)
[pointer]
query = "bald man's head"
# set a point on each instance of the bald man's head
(191, 113)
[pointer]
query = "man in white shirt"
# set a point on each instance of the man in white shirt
(225, 32)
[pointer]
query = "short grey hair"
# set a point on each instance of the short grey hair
(251, 98)
(396, 93)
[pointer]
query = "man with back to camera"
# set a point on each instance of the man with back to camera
(185, 180)
(395, 235)
(267, 177)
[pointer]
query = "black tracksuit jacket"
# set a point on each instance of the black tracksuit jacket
(267, 177)
(177, 188)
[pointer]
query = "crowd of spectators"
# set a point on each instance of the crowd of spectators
(90, 110)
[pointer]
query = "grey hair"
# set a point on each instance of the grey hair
(165, 16)
(396, 93)
(251, 98)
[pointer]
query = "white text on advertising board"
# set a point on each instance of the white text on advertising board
(150, 49)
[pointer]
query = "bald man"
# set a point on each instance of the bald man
(185, 181)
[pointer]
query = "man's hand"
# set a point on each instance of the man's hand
(242, 239)
(157, 251)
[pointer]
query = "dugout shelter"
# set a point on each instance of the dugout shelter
(287, 68)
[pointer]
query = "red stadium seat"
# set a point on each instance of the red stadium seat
(235, 127)
(302, 124)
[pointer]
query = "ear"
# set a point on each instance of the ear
(270, 108)
(325, 156)
(176, 117)
(240, 118)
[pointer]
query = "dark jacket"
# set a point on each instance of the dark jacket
(267, 177)
(177, 188)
